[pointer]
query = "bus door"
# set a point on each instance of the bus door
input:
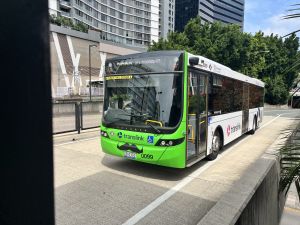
(197, 114)
(245, 118)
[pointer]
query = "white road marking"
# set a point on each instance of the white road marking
(144, 212)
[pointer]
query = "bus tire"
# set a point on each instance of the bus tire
(254, 127)
(216, 145)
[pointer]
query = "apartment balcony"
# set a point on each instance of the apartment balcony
(65, 14)
(65, 4)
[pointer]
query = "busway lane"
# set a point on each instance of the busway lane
(94, 188)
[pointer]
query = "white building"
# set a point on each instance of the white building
(166, 17)
(130, 22)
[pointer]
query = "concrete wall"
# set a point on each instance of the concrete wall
(266, 205)
(254, 199)
(70, 60)
(69, 108)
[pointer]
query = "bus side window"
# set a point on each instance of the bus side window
(221, 95)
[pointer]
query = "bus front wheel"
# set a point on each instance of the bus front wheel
(216, 146)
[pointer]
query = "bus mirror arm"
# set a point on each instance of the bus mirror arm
(194, 61)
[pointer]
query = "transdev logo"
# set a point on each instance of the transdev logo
(233, 129)
(120, 134)
(150, 139)
(228, 130)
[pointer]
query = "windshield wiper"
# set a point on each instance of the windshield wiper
(157, 131)
(154, 128)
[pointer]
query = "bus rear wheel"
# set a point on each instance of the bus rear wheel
(216, 146)
(254, 128)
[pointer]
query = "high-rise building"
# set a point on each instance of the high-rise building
(225, 11)
(131, 22)
(53, 7)
(166, 17)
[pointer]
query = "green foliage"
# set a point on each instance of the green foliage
(268, 58)
(290, 163)
(276, 90)
(66, 22)
(79, 26)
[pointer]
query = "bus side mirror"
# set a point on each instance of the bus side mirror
(194, 61)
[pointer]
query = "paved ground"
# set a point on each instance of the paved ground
(94, 188)
(290, 217)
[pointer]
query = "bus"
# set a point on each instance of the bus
(172, 108)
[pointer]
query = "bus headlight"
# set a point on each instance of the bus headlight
(173, 142)
(104, 134)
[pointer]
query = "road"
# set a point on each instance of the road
(94, 188)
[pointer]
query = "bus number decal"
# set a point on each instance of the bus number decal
(146, 156)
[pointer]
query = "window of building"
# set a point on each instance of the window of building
(103, 17)
(112, 20)
(96, 4)
(112, 12)
(104, 9)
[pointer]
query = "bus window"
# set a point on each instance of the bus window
(221, 90)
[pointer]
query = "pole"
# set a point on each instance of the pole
(90, 86)
(26, 164)
(90, 72)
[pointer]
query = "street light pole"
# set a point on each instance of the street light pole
(90, 72)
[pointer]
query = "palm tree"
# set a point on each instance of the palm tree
(290, 153)
(290, 162)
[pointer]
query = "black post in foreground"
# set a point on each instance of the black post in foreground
(90, 72)
(26, 161)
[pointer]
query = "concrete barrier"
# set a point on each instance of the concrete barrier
(63, 108)
(69, 108)
(254, 199)
(92, 107)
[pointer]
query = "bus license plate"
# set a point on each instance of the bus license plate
(130, 155)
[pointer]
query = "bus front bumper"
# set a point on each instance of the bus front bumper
(174, 156)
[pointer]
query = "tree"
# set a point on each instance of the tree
(276, 91)
(290, 153)
(66, 22)
(242, 52)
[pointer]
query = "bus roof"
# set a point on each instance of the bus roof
(217, 68)
(204, 64)
(147, 54)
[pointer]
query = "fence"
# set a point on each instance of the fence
(69, 117)
(85, 91)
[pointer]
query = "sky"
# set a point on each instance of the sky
(266, 15)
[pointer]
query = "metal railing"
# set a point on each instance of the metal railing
(84, 91)
(70, 117)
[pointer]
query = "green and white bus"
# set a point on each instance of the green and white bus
(172, 108)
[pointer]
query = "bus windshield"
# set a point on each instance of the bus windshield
(138, 100)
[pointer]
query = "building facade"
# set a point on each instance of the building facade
(130, 22)
(166, 17)
(225, 11)
(70, 56)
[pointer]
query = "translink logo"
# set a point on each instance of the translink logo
(120, 135)
(131, 137)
